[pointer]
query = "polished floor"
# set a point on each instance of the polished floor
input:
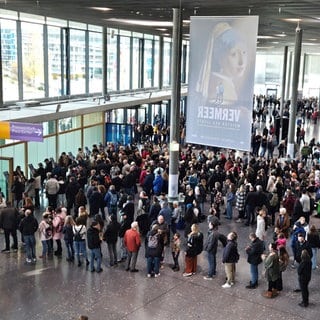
(59, 290)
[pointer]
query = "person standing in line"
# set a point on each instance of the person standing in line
(211, 246)
(68, 237)
(283, 263)
(261, 225)
(154, 247)
(124, 226)
(271, 264)
(132, 242)
(230, 257)
(28, 226)
(304, 276)
(94, 243)
(175, 249)
(254, 252)
(79, 240)
(194, 248)
(9, 221)
(111, 237)
(314, 241)
(52, 188)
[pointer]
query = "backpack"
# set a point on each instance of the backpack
(153, 241)
(113, 199)
(59, 227)
(198, 243)
(77, 235)
(48, 232)
(274, 200)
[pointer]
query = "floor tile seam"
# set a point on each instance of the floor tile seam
(151, 300)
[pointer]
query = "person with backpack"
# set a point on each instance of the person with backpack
(79, 241)
(194, 248)
(111, 200)
(58, 223)
(154, 246)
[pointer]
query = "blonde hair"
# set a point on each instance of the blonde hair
(69, 221)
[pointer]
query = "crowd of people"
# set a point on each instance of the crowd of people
(117, 195)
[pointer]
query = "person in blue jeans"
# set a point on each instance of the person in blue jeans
(68, 237)
(79, 241)
(210, 246)
(254, 252)
(154, 246)
(94, 242)
(28, 226)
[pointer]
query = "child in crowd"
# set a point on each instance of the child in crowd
(45, 234)
(281, 240)
(68, 237)
(175, 249)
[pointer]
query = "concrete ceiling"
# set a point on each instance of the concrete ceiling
(275, 31)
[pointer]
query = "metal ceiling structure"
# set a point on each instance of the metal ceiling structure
(277, 19)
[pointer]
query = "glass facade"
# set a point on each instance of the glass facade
(9, 60)
(32, 60)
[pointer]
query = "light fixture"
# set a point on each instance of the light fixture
(103, 9)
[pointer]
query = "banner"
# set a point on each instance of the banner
(221, 80)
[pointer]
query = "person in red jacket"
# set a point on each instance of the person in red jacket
(132, 242)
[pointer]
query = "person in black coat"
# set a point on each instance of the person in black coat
(211, 246)
(128, 209)
(230, 257)
(111, 237)
(154, 245)
(28, 226)
(9, 221)
(254, 252)
(148, 183)
(93, 240)
(96, 203)
(124, 226)
(304, 276)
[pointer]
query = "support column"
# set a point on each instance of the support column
(295, 83)
(104, 62)
(283, 89)
(175, 106)
(289, 77)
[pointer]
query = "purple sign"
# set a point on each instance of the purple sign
(26, 131)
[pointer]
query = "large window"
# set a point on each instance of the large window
(136, 65)
(32, 60)
(148, 64)
(156, 61)
(124, 63)
(166, 63)
(9, 60)
(112, 63)
(95, 62)
(77, 62)
(54, 59)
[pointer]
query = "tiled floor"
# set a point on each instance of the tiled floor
(60, 290)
